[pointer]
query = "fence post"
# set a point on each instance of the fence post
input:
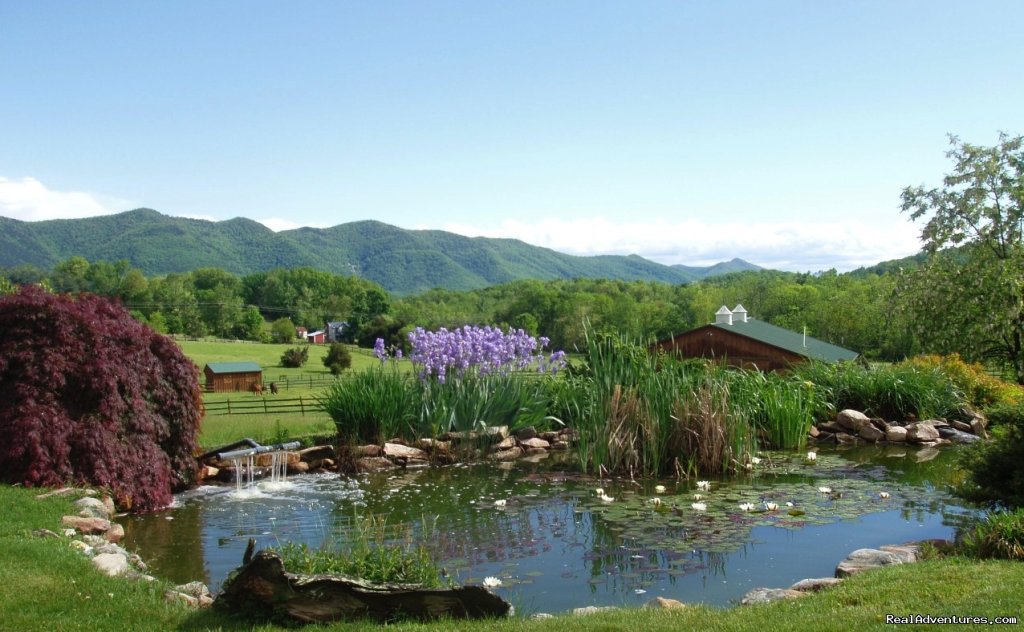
(302, 406)
(229, 405)
(265, 412)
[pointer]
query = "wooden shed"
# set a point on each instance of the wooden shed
(750, 343)
(232, 376)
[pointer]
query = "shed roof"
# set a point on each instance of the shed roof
(219, 368)
(789, 340)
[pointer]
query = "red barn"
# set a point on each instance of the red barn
(316, 337)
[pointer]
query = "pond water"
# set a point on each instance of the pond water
(555, 544)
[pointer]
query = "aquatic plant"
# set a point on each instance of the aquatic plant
(999, 535)
(373, 406)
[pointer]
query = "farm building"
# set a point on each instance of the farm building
(738, 340)
(317, 337)
(232, 376)
(336, 330)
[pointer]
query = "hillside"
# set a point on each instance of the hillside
(402, 261)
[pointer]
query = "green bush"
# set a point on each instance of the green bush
(338, 358)
(1005, 415)
(1000, 535)
(995, 469)
(373, 406)
(295, 357)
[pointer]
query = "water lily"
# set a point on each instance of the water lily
(698, 496)
(825, 490)
(789, 503)
(659, 489)
(812, 456)
(599, 491)
(606, 498)
(500, 502)
(491, 582)
(883, 495)
(769, 506)
(705, 485)
(747, 506)
(755, 460)
(655, 501)
(699, 506)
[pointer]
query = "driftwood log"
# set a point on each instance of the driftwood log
(262, 587)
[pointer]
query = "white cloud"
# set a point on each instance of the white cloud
(29, 200)
(277, 224)
(798, 246)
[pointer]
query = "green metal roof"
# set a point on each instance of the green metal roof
(234, 367)
(789, 340)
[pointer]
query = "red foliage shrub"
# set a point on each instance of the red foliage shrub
(88, 395)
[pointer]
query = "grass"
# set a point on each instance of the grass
(47, 586)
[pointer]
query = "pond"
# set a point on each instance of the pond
(555, 544)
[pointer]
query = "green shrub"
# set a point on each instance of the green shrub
(979, 388)
(1000, 535)
(338, 358)
(1005, 415)
(995, 469)
(373, 406)
(294, 357)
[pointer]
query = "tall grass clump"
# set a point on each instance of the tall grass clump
(474, 402)
(999, 535)
(894, 392)
(708, 435)
(781, 409)
(980, 389)
(372, 406)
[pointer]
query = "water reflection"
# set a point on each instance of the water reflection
(555, 545)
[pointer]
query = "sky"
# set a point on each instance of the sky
(780, 132)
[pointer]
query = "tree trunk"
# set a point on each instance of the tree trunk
(261, 586)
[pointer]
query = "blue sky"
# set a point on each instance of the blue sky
(686, 132)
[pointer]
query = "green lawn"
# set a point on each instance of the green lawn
(47, 586)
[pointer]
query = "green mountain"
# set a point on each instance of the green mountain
(402, 261)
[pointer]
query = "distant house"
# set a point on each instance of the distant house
(336, 329)
(738, 340)
(300, 332)
(317, 337)
(232, 376)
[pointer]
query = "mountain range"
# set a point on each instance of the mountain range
(400, 260)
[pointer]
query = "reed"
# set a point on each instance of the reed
(373, 405)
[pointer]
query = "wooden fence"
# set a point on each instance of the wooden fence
(261, 405)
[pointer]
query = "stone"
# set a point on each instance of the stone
(523, 434)
(813, 432)
(535, 443)
(816, 584)
(852, 420)
(108, 502)
(45, 533)
(845, 439)
(302, 467)
(591, 610)
(831, 426)
(871, 433)
(111, 564)
(66, 491)
(114, 534)
(319, 452)
(507, 455)
(921, 432)
(374, 464)
(536, 451)
(550, 436)
(90, 507)
(398, 451)
(541, 615)
(961, 426)
(825, 437)
(366, 451)
(198, 591)
(906, 552)
(560, 445)
(267, 459)
(978, 427)
(880, 423)
(505, 444)
(768, 595)
(81, 547)
(866, 559)
(664, 603)
(207, 472)
(86, 525)
(896, 434)
(173, 596)
(957, 436)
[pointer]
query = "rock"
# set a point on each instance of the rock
(880, 423)
(197, 591)
(207, 472)
(541, 615)
(921, 432)
(926, 454)
(845, 439)
(825, 437)
(814, 585)
(374, 464)
(550, 436)
(852, 420)
(896, 434)
(507, 455)
(536, 451)
(45, 533)
(536, 442)
(173, 596)
(560, 445)
(534, 455)
(961, 426)
(831, 426)
(114, 534)
(866, 559)
(938, 422)
(112, 564)
(957, 436)
(591, 610)
(66, 491)
(978, 427)
(81, 547)
(86, 525)
(523, 434)
(320, 452)
(94, 540)
(505, 444)
(398, 451)
(366, 451)
(813, 432)
(90, 507)
(906, 552)
(768, 595)
(667, 604)
(871, 433)
(302, 467)
(267, 459)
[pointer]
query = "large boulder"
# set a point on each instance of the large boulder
(957, 436)
(896, 434)
(871, 433)
(399, 451)
(852, 420)
(922, 432)
(768, 595)
(866, 559)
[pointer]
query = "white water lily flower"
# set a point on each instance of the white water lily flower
(606, 498)
(698, 496)
(500, 503)
(825, 490)
(755, 460)
(771, 506)
(699, 506)
(491, 582)
(748, 466)
(655, 501)
(747, 506)
(812, 456)
(883, 495)
(659, 489)
(789, 503)
(599, 491)
(705, 485)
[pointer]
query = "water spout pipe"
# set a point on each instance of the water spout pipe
(258, 449)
